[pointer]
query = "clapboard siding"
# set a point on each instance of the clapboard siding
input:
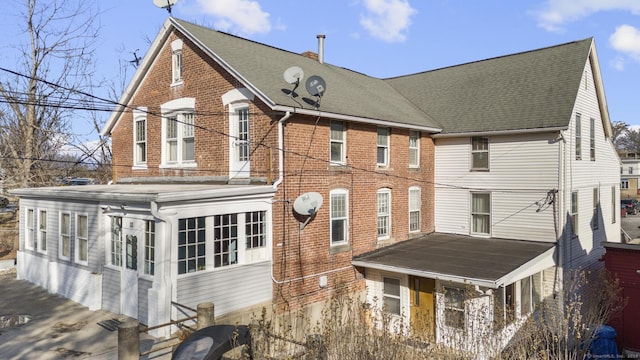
(54, 209)
(523, 168)
(111, 290)
(143, 299)
(229, 289)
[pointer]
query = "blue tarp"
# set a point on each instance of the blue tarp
(604, 344)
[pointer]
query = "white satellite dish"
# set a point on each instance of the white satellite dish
(292, 75)
(308, 203)
(165, 4)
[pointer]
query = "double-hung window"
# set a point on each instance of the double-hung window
(42, 231)
(65, 236)
(391, 295)
(176, 62)
(574, 213)
(338, 142)
(481, 213)
(30, 239)
(479, 153)
(382, 157)
(384, 213)
(140, 137)
(614, 210)
(255, 230)
(415, 206)
(414, 149)
(454, 307)
(149, 247)
(82, 239)
(338, 215)
(578, 137)
(178, 133)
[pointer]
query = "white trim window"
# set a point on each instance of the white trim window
(82, 239)
(30, 231)
(255, 229)
(578, 137)
(339, 199)
(140, 137)
(191, 245)
(414, 149)
(391, 300)
(384, 213)
(42, 231)
(592, 139)
(116, 241)
(574, 213)
(149, 247)
(178, 133)
(481, 213)
(614, 210)
(225, 240)
(454, 307)
(338, 141)
(382, 149)
(65, 236)
(415, 208)
(176, 62)
(479, 153)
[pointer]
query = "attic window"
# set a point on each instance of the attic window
(176, 62)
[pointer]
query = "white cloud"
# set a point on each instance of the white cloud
(555, 14)
(618, 63)
(243, 16)
(387, 20)
(626, 39)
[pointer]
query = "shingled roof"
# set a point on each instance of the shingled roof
(261, 67)
(529, 90)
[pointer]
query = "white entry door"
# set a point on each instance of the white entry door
(129, 288)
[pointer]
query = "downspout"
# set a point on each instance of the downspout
(164, 268)
(286, 116)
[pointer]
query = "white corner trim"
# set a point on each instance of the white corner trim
(235, 95)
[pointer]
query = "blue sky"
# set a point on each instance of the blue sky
(386, 38)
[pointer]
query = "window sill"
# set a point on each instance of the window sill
(339, 248)
(383, 167)
(178, 166)
(177, 83)
(339, 167)
(479, 170)
(139, 167)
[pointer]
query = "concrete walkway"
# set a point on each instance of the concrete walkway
(57, 327)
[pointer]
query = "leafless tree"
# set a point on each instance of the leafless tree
(620, 129)
(42, 95)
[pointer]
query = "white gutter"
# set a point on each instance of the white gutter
(386, 123)
(281, 150)
(428, 274)
(501, 132)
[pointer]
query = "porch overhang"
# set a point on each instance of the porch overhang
(486, 262)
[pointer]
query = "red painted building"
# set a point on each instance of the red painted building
(623, 260)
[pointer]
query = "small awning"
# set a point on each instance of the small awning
(487, 262)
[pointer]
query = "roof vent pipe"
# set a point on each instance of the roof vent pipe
(321, 48)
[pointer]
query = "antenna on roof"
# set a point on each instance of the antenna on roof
(293, 76)
(136, 58)
(165, 4)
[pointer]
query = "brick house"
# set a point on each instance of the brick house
(212, 148)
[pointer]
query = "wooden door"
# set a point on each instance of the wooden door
(422, 308)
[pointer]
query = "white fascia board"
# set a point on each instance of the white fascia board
(358, 119)
(502, 132)
(427, 274)
(531, 267)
